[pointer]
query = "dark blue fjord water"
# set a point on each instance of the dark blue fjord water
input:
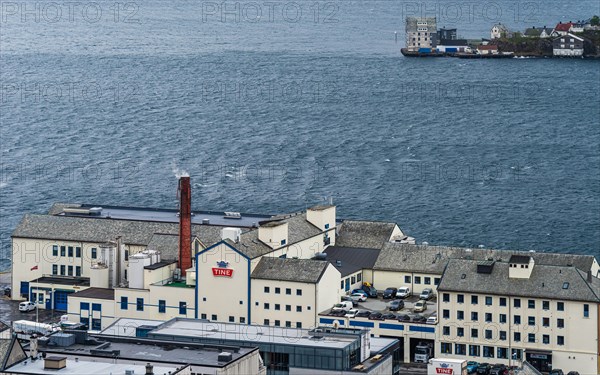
(104, 102)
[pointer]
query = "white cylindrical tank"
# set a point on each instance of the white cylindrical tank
(99, 276)
(108, 257)
(154, 256)
(135, 272)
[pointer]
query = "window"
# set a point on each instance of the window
(288, 307)
(55, 250)
(139, 304)
(359, 277)
(488, 317)
(531, 320)
(277, 290)
(298, 308)
(474, 300)
(407, 279)
(502, 301)
(560, 306)
(241, 302)
(560, 340)
(417, 279)
(502, 353)
(446, 297)
(267, 306)
(546, 305)
(586, 310)
(474, 316)
(352, 280)
(242, 319)
(267, 289)
(460, 349)
(517, 319)
(446, 348)
(474, 332)
(94, 253)
(298, 324)
(162, 306)
(182, 308)
(70, 248)
(488, 351)
(446, 314)
(77, 252)
(77, 271)
(84, 306)
(488, 301)
(266, 322)
(427, 280)
(460, 298)
(502, 335)
(277, 323)
(123, 303)
(560, 323)
(202, 316)
(446, 331)
(231, 319)
(283, 242)
(277, 306)
(460, 331)
(460, 315)
(517, 336)
(546, 322)
(531, 337)
(63, 251)
(342, 284)
(474, 350)
(288, 291)
(517, 303)
(531, 304)
(96, 307)
(298, 292)
(70, 270)
(546, 339)
(55, 269)
(213, 317)
(126, 255)
(62, 269)
(436, 281)
(488, 334)
(288, 324)
(502, 318)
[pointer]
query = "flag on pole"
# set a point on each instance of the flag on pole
(34, 268)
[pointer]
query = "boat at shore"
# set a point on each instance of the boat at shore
(427, 53)
(503, 55)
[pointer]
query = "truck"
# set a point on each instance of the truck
(423, 352)
(25, 328)
(446, 366)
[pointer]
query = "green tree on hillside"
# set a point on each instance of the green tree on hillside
(595, 21)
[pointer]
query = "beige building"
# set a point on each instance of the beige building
(421, 33)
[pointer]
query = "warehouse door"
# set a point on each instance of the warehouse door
(60, 300)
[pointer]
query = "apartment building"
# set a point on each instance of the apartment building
(421, 33)
(507, 312)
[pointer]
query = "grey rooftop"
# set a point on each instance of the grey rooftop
(364, 234)
(288, 269)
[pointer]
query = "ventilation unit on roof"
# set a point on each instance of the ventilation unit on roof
(225, 357)
(485, 267)
(232, 215)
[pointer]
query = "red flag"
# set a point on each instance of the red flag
(34, 268)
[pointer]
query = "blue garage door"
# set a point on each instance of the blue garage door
(60, 300)
(25, 289)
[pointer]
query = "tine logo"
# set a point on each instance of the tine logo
(222, 269)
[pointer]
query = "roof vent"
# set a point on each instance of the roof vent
(463, 276)
(565, 285)
(338, 263)
(232, 215)
(225, 357)
(205, 221)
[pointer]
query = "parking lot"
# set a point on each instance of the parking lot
(9, 310)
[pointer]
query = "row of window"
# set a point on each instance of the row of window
(213, 317)
(560, 306)
(64, 250)
(502, 301)
(66, 270)
(426, 280)
(277, 323)
(277, 307)
(288, 291)
(502, 335)
(86, 306)
(477, 351)
(460, 315)
(162, 305)
(352, 280)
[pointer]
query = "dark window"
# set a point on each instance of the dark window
(488, 317)
(267, 306)
(202, 316)
(298, 308)
(502, 353)
(546, 305)
(560, 306)
(298, 324)
(446, 331)
(213, 317)
(298, 292)
(436, 281)
(359, 277)
(140, 304)
(55, 250)
(96, 307)
(531, 320)
(55, 269)
(502, 318)
(531, 304)
(502, 335)
(446, 297)
(460, 349)
(62, 269)
(427, 280)
(546, 322)
(474, 316)
(123, 303)
(474, 332)
(94, 253)
(277, 323)
(560, 340)
(77, 271)
(560, 323)
(277, 290)
(288, 324)
(407, 279)
(446, 348)
(502, 301)
(63, 251)
(517, 302)
(84, 305)
(288, 291)
(266, 322)
(288, 307)
(231, 319)
(460, 331)
(352, 280)
(488, 351)
(126, 255)
(162, 306)
(474, 301)
(460, 298)
(417, 279)
(488, 301)
(546, 339)
(242, 319)
(78, 252)
(517, 336)
(283, 242)
(446, 314)
(531, 337)
(488, 334)
(70, 270)
(267, 289)
(474, 350)
(460, 315)
(182, 308)
(517, 319)
(277, 306)
(70, 248)
(586, 310)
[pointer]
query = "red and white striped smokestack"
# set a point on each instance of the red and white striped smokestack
(185, 224)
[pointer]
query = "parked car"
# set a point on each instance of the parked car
(396, 305)
(344, 306)
(375, 315)
(420, 306)
(498, 369)
(403, 292)
(388, 316)
(337, 313)
(573, 373)
(483, 369)
(390, 293)
(363, 314)
(26, 306)
(432, 319)
(556, 371)
(371, 292)
(358, 297)
(419, 319)
(359, 291)
(404, 318)
(351, 313)
(472, 366)
(426, 294)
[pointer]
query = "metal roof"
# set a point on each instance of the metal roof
(96, 293)
(288, 269)
(364, 234)
(352, 259)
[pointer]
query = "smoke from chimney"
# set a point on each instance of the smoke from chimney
(185, 224)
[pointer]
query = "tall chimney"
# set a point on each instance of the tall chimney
(185, 224)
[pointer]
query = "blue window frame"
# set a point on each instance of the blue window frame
(182, 308)
(96, 324)
(78, 252)
(139, 304)
(55, 269)
(123, 303)
(63, 251)
(84, 320)
(162, 306)
(70, 251)
(62, 269)
(586, 310)
(77, 271)
(70, 270)
(55, 250)
(96, 307)
(326, 226)
(94, 253)
(283, 242)
(84, 305)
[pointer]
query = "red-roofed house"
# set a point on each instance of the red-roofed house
(487, 49)
(562, 29)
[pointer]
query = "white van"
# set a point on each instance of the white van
(26, 306)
